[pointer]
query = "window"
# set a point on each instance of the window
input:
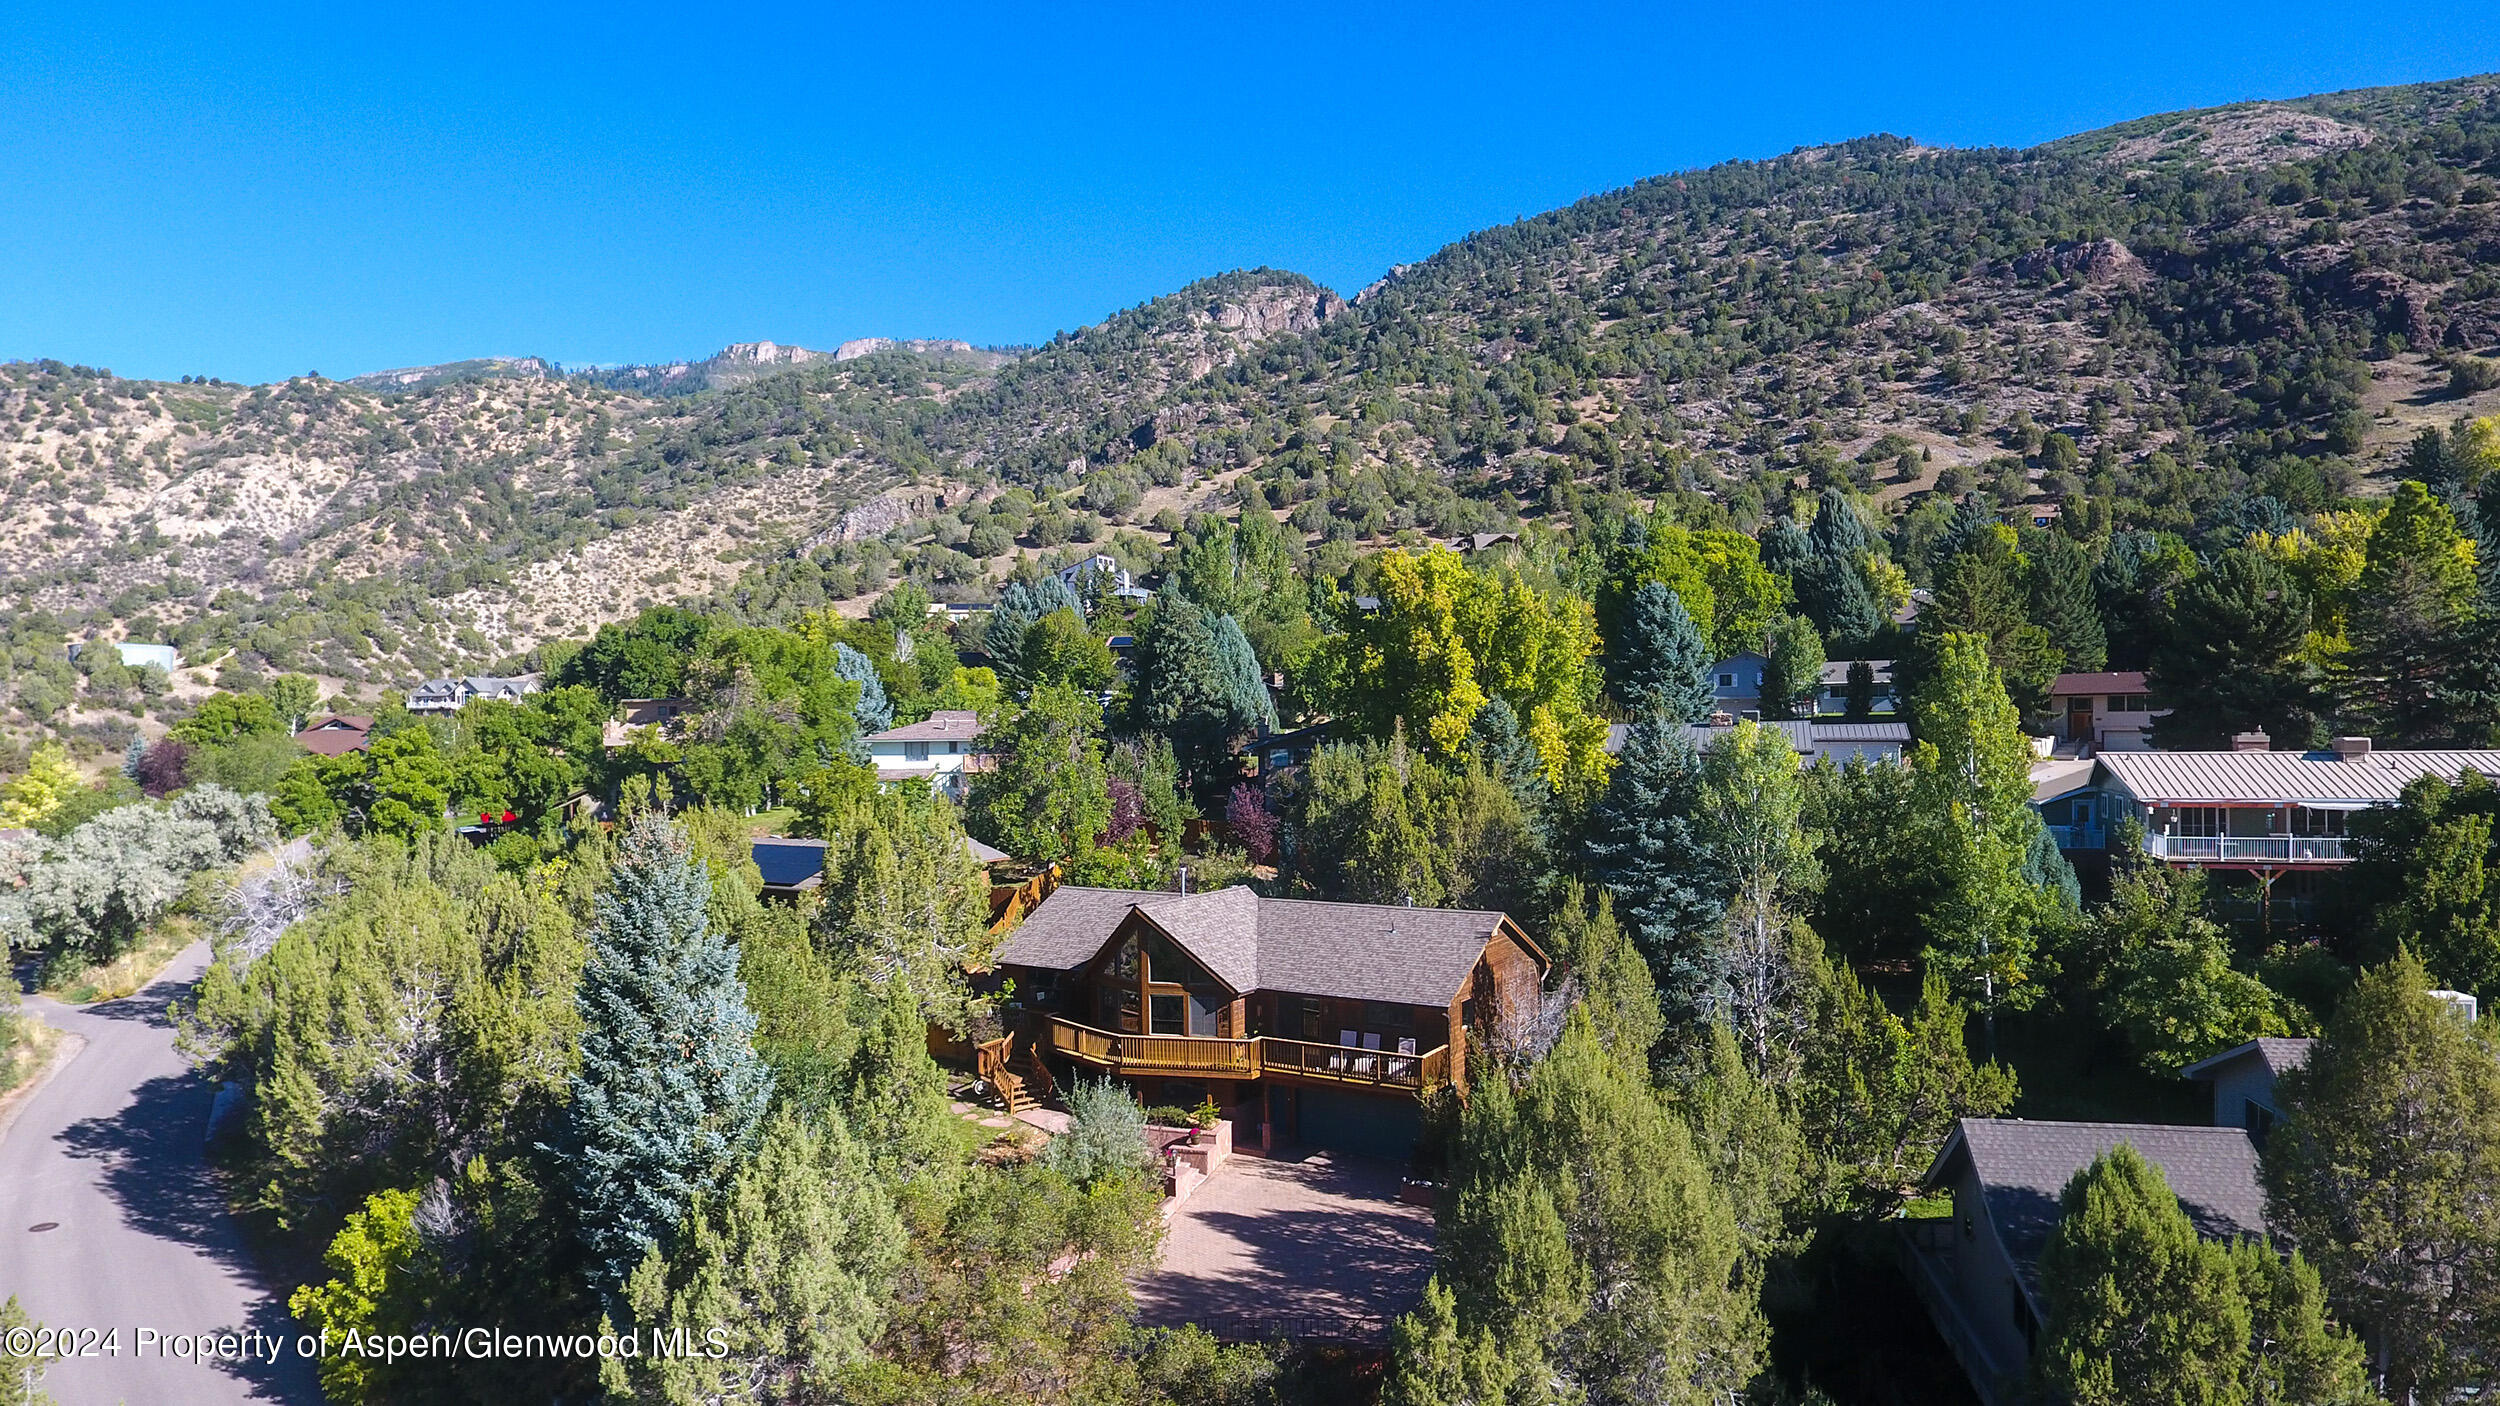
(915, 751)
(1727, 681)
(1170, 1016)
(2258, 1119)
(2198, 821)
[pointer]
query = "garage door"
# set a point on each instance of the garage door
(1366, 1125)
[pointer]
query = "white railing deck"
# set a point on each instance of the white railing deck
(2279, 849)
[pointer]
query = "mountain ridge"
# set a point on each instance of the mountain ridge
(2148, 315)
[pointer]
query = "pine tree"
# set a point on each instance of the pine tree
(132, 755)
(1645, 844)
(1831, 586)
(1582, 1231)
(1184, 689)
(873, 712)
(670, 1086)
(2381, 1170)
(1252, 708)
(792, 1264)
(2296, 1356)
(904, 900)
(2140, 1312)
(2233, 658)
(2062, 602)
(1979, 591)
(1661, 663)
(1792, 673)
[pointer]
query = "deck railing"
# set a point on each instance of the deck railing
(2244, 849)
(1252, 1058)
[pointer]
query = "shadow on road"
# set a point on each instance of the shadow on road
(149, 1007)
(153, 1167)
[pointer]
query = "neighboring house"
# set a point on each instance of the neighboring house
(1812, 739)
(1322, 1024)
(792, 866)
(1736, 684)
(939, 749)
(2102, 712)
(634, 715)
(1979, 1272)
(2243, 1079)
(2266, 815)
(142, 656)
(335, 734)
(451, 695)
(1278, 750)
(1833, 699)
(1103, 576)
(2062, 791)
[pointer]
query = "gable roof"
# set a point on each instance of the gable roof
(1352, 951)
(2116, 681)
(944, 725)
(2263, 778)
(2280, 1055)
(2023, 1168)
(335, 734)
(1836, 671)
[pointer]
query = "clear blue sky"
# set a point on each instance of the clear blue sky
(253, 192)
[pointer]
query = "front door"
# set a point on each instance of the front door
(2079, 719)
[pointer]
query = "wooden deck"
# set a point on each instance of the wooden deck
(1258, 1057)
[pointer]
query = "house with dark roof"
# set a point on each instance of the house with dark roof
(335, 734)
(451, 695)
(1979, 1269)
(793, 866)
(1314, 1023)
(1832, 696)
(2243, 1079)
(2105, 712)
(938, 749)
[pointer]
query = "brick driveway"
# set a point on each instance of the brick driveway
(1319, 1247)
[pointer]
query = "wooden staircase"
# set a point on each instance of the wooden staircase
(990, 1062)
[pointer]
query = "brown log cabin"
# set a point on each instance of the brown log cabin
(1317, 1024)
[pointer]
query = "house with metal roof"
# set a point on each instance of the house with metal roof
(1979, 1269)
(793, 865)
(939, 749)
(1313, 1023)
(1812, 739)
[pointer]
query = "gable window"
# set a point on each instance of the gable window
(1727, 681)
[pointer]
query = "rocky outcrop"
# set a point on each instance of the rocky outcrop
(2096, 261)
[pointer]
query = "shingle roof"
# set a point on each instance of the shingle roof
(2023, 1167)
(1353, 951)
(335, 734)
(1836, 671)
(947, 724)
(1069, 927)
(2260, 778)
(981, 853)
(2281, 1055)
(2119, 681)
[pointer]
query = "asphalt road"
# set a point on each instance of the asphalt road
(109, 1155)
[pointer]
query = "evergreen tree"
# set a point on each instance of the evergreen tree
(1838, 534)
(2062, 602)
(1834, 594)
(1980, 591)
(1661, 663)
(1244, 687)
(1645, 844)
(905, 901)
(670, 1087)
(2381, 1170)
(2296, 1356)
(1019, 606)
(1861, 704)
(792, 1263)
(2140, 1311)
(1880, 1094)
(133, 754)
(1751, 820)
(1582, 1232)
(2132, 584)
(2233, 658)
(873, 712)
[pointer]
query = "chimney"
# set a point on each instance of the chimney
(2352, 749)
(2255, 741)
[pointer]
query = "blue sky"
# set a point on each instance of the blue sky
(254, 192)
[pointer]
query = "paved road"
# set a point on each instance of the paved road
(109, 1153)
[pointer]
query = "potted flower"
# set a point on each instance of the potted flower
(1206, 1116)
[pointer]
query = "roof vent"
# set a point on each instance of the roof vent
(2255, 741)
(2352, 749)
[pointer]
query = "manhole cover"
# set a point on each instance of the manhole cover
(43, 1226)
